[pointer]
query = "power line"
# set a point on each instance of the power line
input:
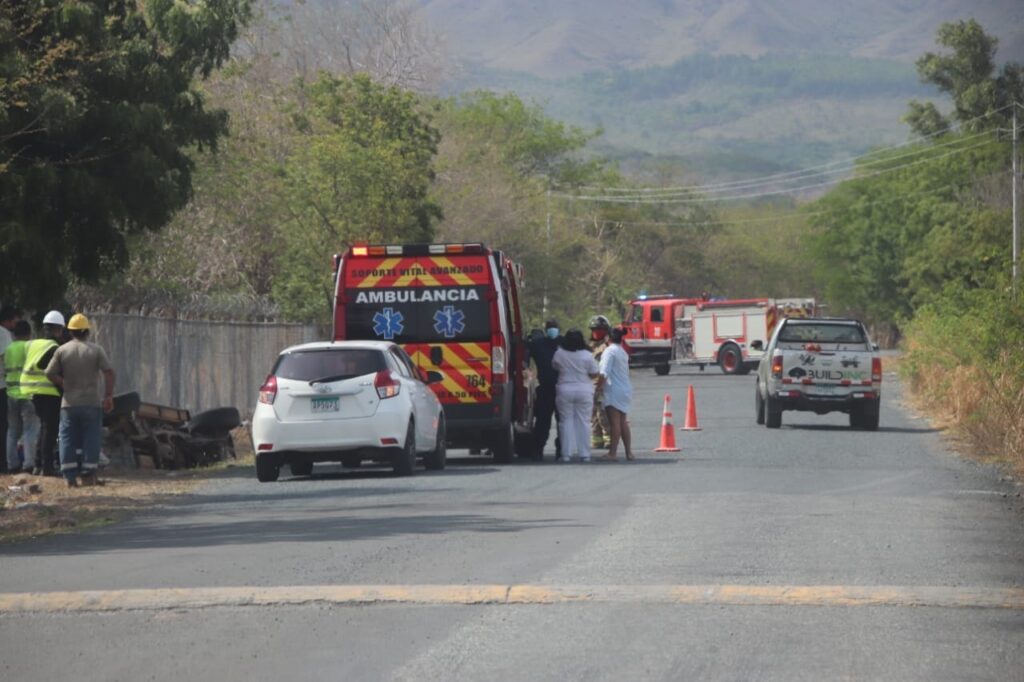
(773, 219)
(752, 184)
(754, 195)
(789, 174)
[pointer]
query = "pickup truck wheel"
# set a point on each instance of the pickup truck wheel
(662, 369)
(503, 444)
(301, 468)
(405, 457)
(438, 457)
(759, 404)
(772, 413)
(870, 421)
(267, 468)
(856, 417)
(730, 359)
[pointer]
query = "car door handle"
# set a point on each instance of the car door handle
(436, 355)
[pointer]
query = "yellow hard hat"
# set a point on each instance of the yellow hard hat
(78, 322)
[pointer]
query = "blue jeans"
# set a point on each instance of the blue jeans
(80, 428)
(22, 423)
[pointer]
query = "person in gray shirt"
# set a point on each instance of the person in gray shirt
(76, 368)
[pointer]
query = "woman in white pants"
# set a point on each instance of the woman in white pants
(574, 394)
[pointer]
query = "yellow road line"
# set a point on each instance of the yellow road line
(728, 595)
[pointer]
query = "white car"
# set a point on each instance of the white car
(347, 401)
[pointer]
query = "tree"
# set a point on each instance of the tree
(361, 172)
(100, 116)
(223, 250)
(981, 95)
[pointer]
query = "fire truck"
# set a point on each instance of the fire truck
(667, 330)
(651, 324)
(456, 310)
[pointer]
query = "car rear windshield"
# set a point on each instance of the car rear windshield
(330, 363)
(822, 333)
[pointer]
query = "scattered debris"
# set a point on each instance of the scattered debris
(161, 437)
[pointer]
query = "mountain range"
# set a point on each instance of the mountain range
(568, 37)
(729, 87)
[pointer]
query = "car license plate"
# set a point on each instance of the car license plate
(820, 389)
(325, 405)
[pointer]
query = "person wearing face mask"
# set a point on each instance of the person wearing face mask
(542, 350)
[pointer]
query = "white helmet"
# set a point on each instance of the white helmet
(54, 317)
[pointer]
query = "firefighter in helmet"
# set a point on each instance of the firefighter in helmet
(600, 435)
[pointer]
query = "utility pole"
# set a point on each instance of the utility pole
(1016, 209)
(544, 304)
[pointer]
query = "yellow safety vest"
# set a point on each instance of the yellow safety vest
(33, 380)
(14, 361)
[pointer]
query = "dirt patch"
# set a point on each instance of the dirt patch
(33, 506)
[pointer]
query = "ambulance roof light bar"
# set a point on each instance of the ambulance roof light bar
(416, 249)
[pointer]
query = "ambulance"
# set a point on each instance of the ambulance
(456, 310)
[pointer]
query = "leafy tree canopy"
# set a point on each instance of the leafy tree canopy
(361, 171)
(981, 93)
(98, 112)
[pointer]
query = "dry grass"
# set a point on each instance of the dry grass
(55, 508)
(983, 406)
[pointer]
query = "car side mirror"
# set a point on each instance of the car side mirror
(434, 377)
(874, 347)
(757, 344)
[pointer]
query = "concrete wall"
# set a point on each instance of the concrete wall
(194, 364)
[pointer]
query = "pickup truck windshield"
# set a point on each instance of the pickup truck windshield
(821, 333)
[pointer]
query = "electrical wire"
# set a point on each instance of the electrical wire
(777, 176)
(752, 184)
(755, 195)
(773, 219)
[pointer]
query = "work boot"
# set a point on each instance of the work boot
(71, 482)
(89, 479)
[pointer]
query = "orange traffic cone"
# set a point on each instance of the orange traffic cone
(691, 412)
(668, 434)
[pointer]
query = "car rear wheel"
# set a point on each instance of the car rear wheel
(772, 413)
(405, 458)
(503, 444)
(436, 458)
(730, 359)
(267, 468)
(662, 369)
(759, 405)
(301, 468)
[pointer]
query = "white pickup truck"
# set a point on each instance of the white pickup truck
(820, 365)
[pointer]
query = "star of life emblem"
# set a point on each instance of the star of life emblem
(388, 323)
(449, 322)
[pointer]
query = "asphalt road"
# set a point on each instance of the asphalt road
(809, 553)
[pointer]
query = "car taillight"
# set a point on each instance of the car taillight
(268, 391)
(876, 369)
(387, 386)
(777, 366)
